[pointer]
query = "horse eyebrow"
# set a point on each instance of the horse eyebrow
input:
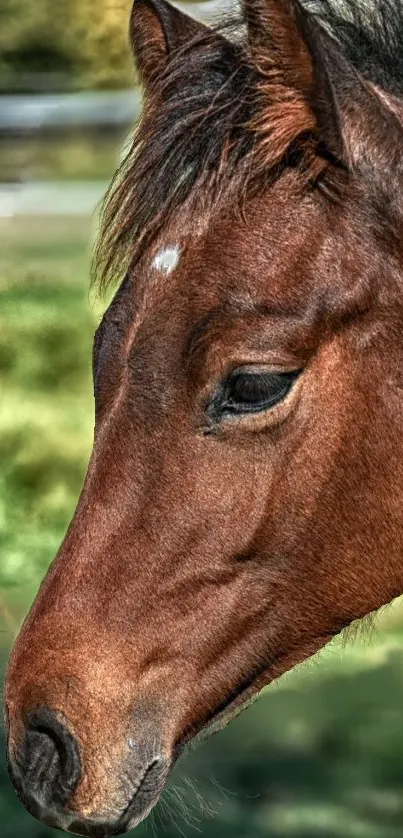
(200, 329)
(238, 308)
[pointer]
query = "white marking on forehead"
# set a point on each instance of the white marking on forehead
(167, 259)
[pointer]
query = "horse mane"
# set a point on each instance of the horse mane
(370, 33)
(215, 123)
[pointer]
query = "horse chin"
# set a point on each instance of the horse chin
(146, 796)
(136, 818)
(152, 786)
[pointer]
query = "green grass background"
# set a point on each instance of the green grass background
(321, 753)
(71, 155)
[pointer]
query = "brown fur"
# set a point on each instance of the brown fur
(207, 556)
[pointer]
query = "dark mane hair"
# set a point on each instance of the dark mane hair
(204, 125)
(370, 33)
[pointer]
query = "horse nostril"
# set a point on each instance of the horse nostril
(48, 767)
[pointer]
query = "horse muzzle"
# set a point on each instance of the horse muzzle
(47, 768)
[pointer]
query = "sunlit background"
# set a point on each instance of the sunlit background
(321, 753)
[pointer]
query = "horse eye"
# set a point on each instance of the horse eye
(250, 391)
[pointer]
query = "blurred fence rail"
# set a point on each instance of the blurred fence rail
(53, 199)
(20, 114)
(30, 112)
(47, 141)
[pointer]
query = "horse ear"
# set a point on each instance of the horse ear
(313, 85)
(157, 29)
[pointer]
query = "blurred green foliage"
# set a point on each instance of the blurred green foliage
(64, 156)
(320, 755)
(45, 409)
(72, 44)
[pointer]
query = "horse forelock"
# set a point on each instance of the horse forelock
(226, 123)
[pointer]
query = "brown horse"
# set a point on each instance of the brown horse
(244, 499)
